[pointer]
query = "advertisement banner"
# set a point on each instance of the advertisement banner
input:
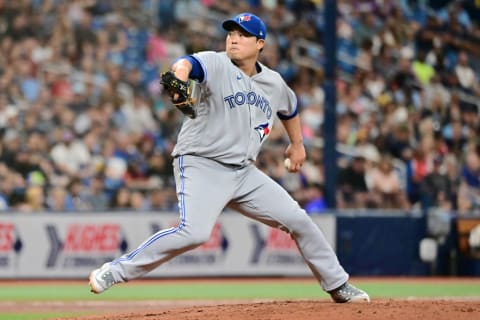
(71, 245)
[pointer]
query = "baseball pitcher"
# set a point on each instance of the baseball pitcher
(230, 101)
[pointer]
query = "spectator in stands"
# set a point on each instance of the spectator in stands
(398, 142)
(59, 200)
(121, 199)
(436, 188)
(96, 197)
(77, 194)
(435, 96)
(159, 170)
(139, 115)
(34, 200)
(422, 70)
(12, 188)
(364, 144)
(455, 10)
(315, 202)
(465, 74)
(452, 169)
(385, 184)
(404, 83)
(157, 200)
(353, 191)
(418, 167)
(367, 27)
(469, 189)
(455, 135)
(137, 201)
(427, 38)
(70, 154)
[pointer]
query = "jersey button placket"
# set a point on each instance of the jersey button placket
(252, 113)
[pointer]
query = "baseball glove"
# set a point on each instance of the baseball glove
(180, 92)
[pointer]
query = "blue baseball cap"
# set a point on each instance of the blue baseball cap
(249, 22)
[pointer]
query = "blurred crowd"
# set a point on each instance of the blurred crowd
(85, 125)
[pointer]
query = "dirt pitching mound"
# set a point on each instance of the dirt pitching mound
(305, 309)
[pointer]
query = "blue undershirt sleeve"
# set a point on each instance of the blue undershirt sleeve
(197, 70)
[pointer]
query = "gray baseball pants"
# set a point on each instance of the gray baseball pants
(204, 188)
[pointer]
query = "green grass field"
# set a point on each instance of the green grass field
(219, 290)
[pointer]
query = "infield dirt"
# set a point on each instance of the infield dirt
(321, 309)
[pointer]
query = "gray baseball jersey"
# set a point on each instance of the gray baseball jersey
(237, 113)
(220, 144)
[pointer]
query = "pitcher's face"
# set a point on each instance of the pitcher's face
(241, 45)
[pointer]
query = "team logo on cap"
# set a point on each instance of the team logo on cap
(263, 130)
(244, 18)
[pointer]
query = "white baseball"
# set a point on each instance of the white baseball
(287, 163)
